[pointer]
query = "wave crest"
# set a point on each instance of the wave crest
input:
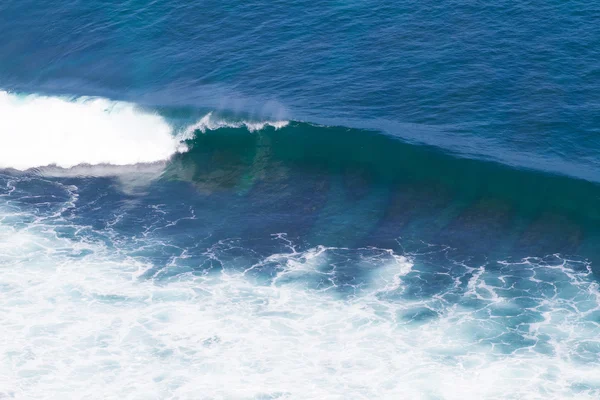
(210, 123)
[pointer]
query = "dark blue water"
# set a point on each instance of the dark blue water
(293, 200)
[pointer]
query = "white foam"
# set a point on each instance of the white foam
(39, 131)
(88, 327)
(211, 123)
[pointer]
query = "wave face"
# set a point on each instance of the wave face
(270, 254)
(38, 131)
(371, 160)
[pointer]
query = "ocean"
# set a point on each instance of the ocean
(299, 200)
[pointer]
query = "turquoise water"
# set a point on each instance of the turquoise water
(296, 200)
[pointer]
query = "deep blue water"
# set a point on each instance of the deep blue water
(299, 200)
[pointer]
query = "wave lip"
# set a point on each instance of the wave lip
(210, 123)
(37, 131)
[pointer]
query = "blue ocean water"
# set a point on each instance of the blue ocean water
(299, 200)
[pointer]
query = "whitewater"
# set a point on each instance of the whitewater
(86, 317)
(82, 317)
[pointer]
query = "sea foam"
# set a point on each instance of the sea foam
(83, 315)
(38, 131)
